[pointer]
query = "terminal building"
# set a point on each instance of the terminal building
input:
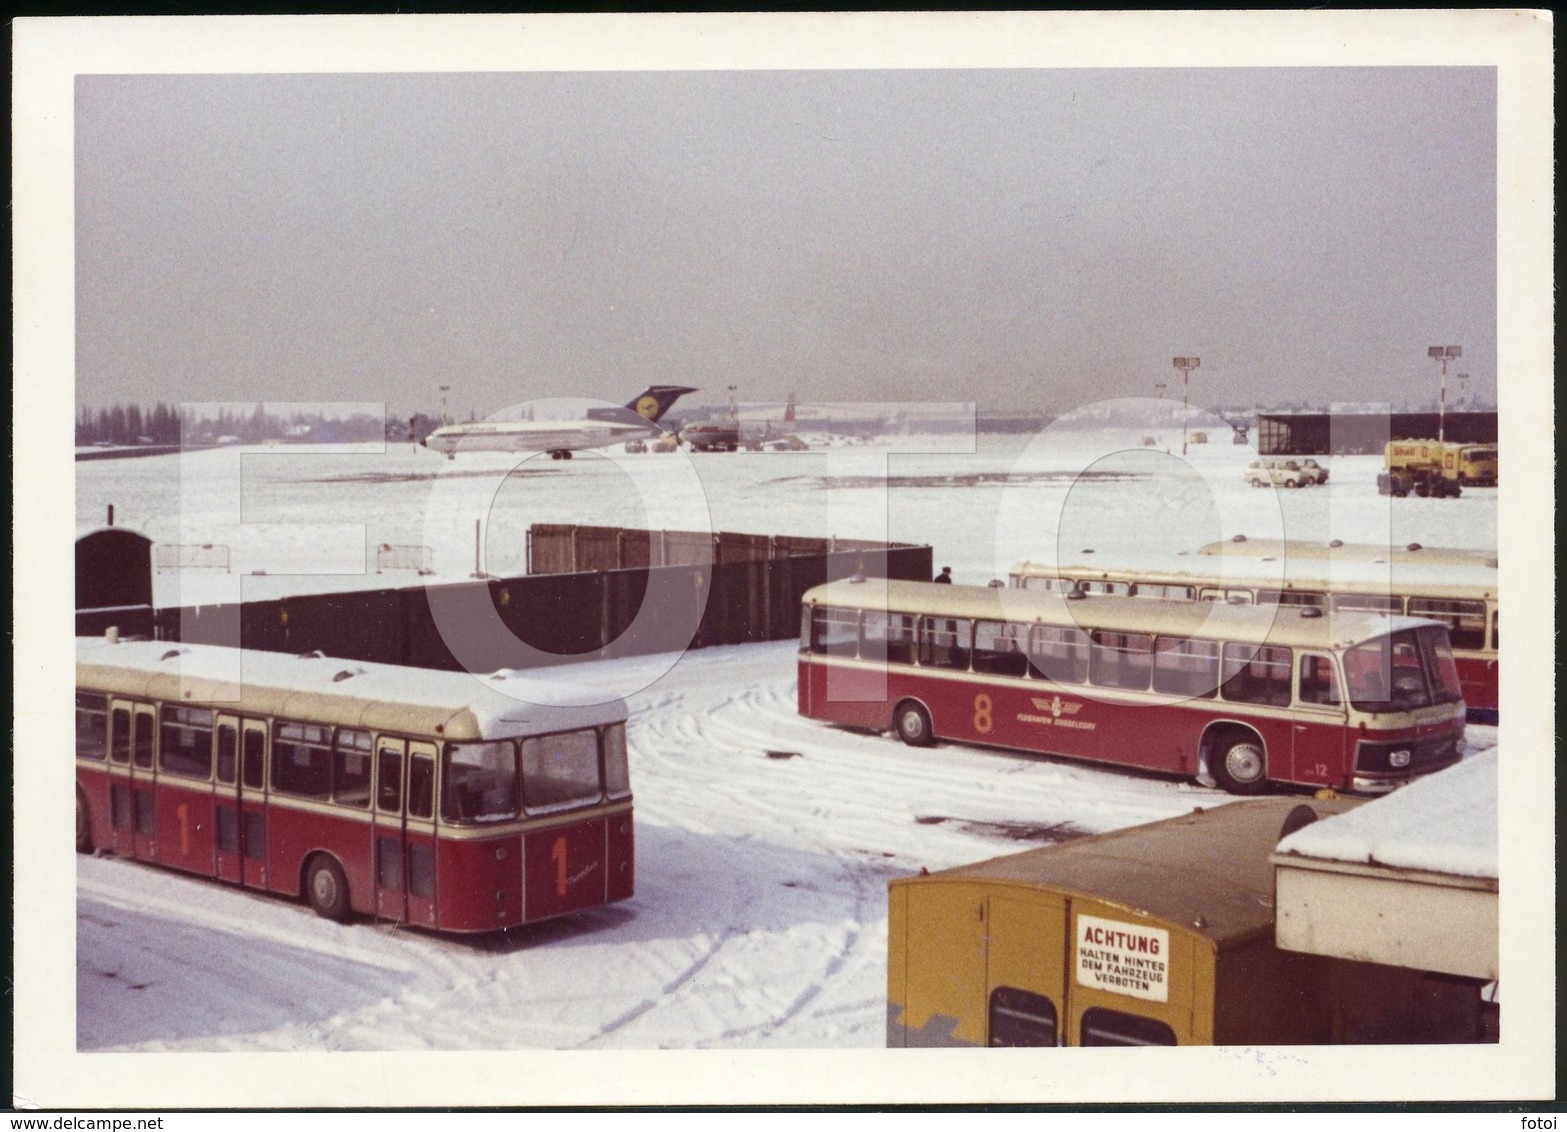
(1366, 433)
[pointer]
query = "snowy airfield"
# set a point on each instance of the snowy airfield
(764, 841)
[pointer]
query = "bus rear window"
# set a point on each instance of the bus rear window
(479, 782)
(560, 771)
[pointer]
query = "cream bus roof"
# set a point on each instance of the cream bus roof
(1241, 546)
(1208, 872)
(1273, 624)
(1406, 578)
(319, 689)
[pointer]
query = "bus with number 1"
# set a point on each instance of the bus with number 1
(439, 800)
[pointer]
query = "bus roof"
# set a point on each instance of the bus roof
(1409, 579)
(1208, 872)
(1270, 624)
(1241, 546)
(319, 689)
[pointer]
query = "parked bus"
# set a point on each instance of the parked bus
(1463, 597)
(433, 799)
(1245, 694)
(1340, 551)
(1163, 934)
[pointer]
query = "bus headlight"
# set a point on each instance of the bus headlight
(1398, 759)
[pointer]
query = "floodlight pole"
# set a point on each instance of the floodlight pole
(1185, 365)
(1442, 354)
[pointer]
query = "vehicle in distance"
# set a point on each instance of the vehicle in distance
(432, 799)
(1285, 473)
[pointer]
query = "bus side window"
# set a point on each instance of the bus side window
(1185, 667)
(887, 637)
(1496, 627)
(389, 778)
(998, 649)
(1318, 686)
(1021, 1018)
(835, 632)
(351, 768)
(1465, 620)
(1257, 674)
(421, 786)
(944, 642)
(1121, 660)
(1059, 655)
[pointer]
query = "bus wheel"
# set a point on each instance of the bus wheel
(1242, 766)
(326, 888)
(83, 825)
(913, 724)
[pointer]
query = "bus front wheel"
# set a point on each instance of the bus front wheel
(327, 889)
(913, 724)
(83, 825)
(1242, 765)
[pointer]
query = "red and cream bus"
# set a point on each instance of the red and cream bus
(1245, 694)
(1463, 597)
(433, 799)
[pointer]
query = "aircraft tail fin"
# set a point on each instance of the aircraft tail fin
(651, 404)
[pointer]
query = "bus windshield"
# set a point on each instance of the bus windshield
(1411, 668)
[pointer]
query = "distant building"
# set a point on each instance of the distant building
(1357, 432)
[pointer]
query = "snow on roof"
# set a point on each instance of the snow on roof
(1236, 569)
(500, 702)
(1445, 823)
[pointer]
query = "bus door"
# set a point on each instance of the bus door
(121, 804)
(1320, 740)
(1025, 969)
(239, 806)
(143, 782)
(405, 831)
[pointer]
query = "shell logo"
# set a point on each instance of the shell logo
(647, 407)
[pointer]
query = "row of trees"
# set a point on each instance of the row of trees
(170, 424)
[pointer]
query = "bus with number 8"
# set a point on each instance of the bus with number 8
(1245, 694)
(440, 800)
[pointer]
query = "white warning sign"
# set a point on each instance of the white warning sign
(1125, 958)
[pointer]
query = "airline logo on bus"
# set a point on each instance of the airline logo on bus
(1122, 958)
(1059, 715)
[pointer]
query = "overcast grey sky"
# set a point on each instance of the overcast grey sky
(1024, 239)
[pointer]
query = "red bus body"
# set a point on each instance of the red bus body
(1331, 745)
(213, 806)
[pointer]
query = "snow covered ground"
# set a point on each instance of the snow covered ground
(764, 841)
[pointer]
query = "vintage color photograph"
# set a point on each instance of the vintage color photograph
(807, 548)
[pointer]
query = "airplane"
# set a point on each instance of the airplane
(638, 418)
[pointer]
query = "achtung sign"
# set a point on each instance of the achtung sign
(1127, 959)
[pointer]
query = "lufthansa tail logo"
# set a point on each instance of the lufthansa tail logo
(647, 407)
